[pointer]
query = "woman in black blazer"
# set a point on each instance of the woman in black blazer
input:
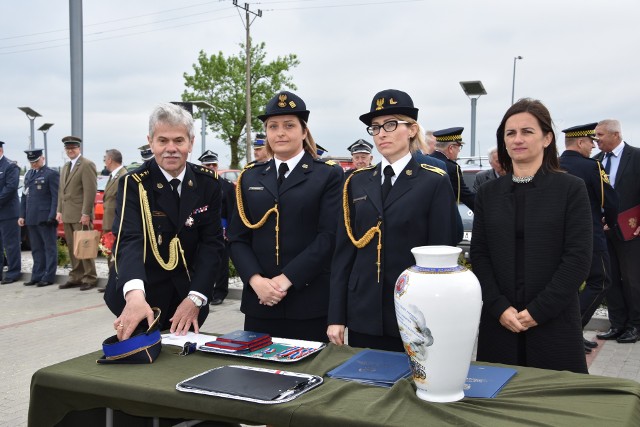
(282, 232)
(531, 249)
(376, 233)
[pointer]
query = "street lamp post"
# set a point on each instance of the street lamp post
(31, 115)
(45, 128)
(202, 107)
(474, 90)
(513, 83)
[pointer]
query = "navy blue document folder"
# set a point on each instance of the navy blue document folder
(486, 381)
(375, 367)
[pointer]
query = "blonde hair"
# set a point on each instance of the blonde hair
(418, 139)
(308, 144)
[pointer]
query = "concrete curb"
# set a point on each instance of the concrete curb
(234, 293)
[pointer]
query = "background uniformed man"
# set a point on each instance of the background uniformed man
(76, 199)
(360, 155)
(260, 153)
(604, 203)
(38, 214)
(448, 146)
(209, 160)
(169, 234)
(9, 211)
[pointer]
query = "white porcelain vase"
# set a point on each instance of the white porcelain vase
(438, 305)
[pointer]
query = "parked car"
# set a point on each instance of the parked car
(230, 174)
(469, 175)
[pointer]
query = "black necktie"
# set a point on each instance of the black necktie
(282, 169)
(607, 167)
(175, 182)
(386, 184)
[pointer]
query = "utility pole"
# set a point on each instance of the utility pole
(247, 26)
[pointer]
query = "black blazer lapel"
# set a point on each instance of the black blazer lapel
(298, 174)
(374, 189)
(269, 179)
(163, 195)
(188, 198)
(403, 183)
(624, 161)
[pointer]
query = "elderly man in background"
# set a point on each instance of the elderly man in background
(621, 162)
(112, 163)
(496, 170)
(76, 199)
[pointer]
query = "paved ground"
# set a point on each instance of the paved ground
(43, 326)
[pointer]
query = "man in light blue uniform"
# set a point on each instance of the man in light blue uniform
(38, 213)
(9, 209)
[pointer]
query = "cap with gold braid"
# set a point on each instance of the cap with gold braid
(449, 135)
(588, 130)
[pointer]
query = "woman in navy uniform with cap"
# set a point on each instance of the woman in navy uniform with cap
(282, 234)
(388, 209)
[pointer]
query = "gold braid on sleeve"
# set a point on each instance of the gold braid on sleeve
(603, 176)
(262, 221)
(368, 236)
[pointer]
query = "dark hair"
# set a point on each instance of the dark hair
(537, 109)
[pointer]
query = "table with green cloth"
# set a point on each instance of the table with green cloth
(532, 397)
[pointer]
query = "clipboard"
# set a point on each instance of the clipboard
(259, 385)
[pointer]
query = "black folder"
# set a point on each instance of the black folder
(246, 383)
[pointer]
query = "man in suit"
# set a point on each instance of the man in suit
(496, 170)
(9, 211)
(76, 198)
(113, 164)
(448, 147)
(603, 200)
(209, 160)
(621, 162)
(167, 249)
(38, 214)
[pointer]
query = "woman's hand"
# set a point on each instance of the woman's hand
(509, 319)
(526, 320)
(336, 334)
(267, 290)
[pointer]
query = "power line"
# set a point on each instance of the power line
(109, 22)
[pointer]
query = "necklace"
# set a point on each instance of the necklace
(522, 179)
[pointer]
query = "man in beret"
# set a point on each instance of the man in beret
(9, 211)
(76, 199)
(38, 213)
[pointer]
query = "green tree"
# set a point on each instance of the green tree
(221, 82)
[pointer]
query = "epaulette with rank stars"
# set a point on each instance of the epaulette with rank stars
(205, 171)
(326, 162)
(434, 169)
(140, 176)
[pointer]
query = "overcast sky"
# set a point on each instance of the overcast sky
(577, 58)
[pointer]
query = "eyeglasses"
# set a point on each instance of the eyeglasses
(389, 126)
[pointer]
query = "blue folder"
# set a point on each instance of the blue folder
(486, 381)
(375, 367)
